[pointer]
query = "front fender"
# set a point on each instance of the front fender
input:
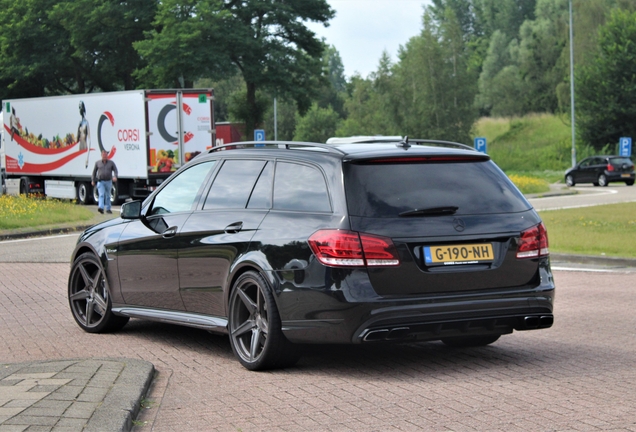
(102, 240)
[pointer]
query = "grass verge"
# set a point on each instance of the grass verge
(23, 212)
(607, 230)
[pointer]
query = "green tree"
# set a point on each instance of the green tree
(543, 55)
(369, 104)
(332, 91)
(188, 42)
(55, 47)
(501, 90)
(505, 16)
(266, 40)
(606, 88)
(286, 115)
(317, 125)
(434, 85)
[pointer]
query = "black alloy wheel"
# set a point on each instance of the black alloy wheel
(255, 326)
(470, 341)
(602, 180)
(89, 297)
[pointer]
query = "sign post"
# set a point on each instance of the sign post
(480, 144)
(259, 135)
(625, 146)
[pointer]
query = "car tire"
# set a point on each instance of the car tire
(254, 326)
(569, 180)
(629, 182)
(602, 180)
(470, 341)
(89, 297)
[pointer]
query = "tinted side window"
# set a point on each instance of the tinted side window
(262, 194)
(233, 184)
(300, 187)
(180, 193)
(386, 190)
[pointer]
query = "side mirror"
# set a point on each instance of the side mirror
(131, 210)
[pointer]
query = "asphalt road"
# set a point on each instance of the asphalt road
(579, 375)
(587, 195)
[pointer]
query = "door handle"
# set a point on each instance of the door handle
(169, 232)
(234, 228)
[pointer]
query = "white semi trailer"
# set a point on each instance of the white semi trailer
(51, 143)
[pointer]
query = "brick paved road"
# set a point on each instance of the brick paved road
(579, 375)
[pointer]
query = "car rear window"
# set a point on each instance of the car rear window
(388, 189)
(620, 161)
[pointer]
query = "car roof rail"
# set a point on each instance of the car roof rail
(289, 145)
(398, 140)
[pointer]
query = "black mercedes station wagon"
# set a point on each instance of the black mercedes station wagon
(358, 241)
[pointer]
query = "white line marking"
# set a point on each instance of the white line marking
(579, 269)
(38, 238)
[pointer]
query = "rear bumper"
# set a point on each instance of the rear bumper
(619, 177)
(424, 321)
(333, 316)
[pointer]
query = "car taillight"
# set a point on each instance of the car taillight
(340, 248)
(610, 167)
(533, 242)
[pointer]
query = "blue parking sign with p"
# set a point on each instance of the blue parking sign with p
(259, 135)
(480, 144)
(625, 146)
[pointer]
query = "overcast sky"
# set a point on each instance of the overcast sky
(362, 29)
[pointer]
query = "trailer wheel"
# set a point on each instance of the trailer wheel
(114, 195)
(24, 185)
(84, 193)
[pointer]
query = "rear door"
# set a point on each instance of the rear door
(455, 222)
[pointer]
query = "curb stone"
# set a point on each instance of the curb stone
(101, 394)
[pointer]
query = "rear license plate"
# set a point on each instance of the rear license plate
(626, 175)
(459, 254)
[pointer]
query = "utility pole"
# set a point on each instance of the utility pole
(275, 121)
(572, 88)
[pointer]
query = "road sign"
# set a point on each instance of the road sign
(480, 144)
(259, 135)
(625, 145)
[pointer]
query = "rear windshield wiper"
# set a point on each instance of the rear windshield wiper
(432, 211)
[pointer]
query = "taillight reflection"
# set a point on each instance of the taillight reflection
(340, 248)
(533, 242)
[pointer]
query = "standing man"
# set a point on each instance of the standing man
(104, 173)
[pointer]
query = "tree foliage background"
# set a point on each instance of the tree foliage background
(472, 58)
